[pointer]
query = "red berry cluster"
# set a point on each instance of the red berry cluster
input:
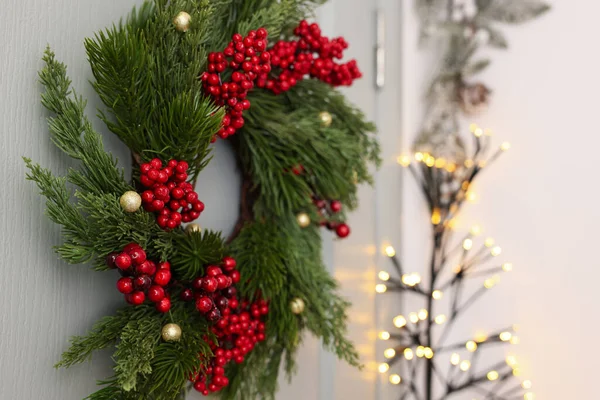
(237, 334)
(247, 58)
(312, 54)
(169, 194)
(328, 208)
(142, 278)
(213, 292)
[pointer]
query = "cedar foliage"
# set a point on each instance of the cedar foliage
(146, 73)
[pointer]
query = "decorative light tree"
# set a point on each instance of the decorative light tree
(419, 357)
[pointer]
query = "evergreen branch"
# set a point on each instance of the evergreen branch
(104, 333)
(72, 132)
(194, 251)
(135, 351)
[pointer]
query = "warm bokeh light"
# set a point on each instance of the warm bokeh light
(455, 359)
(404, 160)
(492, 375)
(471, 345)
(467, 244)
(411, 279)
(383, 368)
(507, 267)
(475, 230)
(465, 365)
(408, 354)
(395, 379)
(399, 321)
(511, 361)
(496, 251)
(437, 294)
(505, 146)
(389, 353)
(489, 242)
(526, 384)
(440, 319)
(380, 288)
(413, 317)
(428, 353)
(384, 276)
(390, 251)
(436, 216)
(505, 336)
(420, 352)
(384, 335)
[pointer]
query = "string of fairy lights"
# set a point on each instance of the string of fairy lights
(418, 357)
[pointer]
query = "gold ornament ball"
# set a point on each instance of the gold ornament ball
(191, 228)
(326, 119)
(297, 305)
(130, 201)
(171, 333)
(303, 220)
(182, 21)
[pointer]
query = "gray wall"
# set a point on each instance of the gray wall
(44, 301)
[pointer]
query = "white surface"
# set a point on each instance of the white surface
(540, 200)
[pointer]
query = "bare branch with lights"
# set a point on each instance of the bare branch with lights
(420, 338)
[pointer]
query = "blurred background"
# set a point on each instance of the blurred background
(539, 208)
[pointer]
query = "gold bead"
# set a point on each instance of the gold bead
(130, 201)
(326, 119)
(171, 333)
(182, 21)
(303, 220)
(297, 305)
(191, 228)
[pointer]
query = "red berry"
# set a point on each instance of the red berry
(142, 282)
(342, 230)
(130, 247)
(163, 305)
(125, 285)
(200, 386)
(146, 268)
(209, 284)
(197, 283)
(198, 206)
(164, 265)
(336, 206)
(177, 193)
(156, 163)
(137, 298)
(233, 303)
(187, 295)
(204, 304)
(162, 277)
(222, 281)
(229, 263)
(214, 315)
(123, 261)
(110, 260)
(213, 270)
(156, 293)
(235, 276)
(222, 303)
(138, 256)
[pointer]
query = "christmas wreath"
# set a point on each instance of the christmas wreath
(219, 314)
